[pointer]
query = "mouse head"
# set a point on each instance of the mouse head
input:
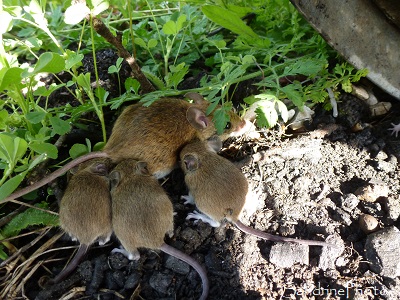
(128, 167)
(204, 124)
(190, 162)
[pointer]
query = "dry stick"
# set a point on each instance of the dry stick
(25, 247)
(102, 29)
(24, 266)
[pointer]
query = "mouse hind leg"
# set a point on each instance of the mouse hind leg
(200, 216)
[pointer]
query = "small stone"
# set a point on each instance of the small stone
(368, 223)
(392, 206)
(132, 281)
(383, 252)
(329, 255)
(372, 192)
(349, 202)
(285, 255)
(160, 282)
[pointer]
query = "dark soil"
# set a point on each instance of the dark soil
(300, 182)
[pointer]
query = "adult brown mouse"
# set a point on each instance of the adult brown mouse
(220, 190)
(85, 209)
(154, 134)
(142, 214)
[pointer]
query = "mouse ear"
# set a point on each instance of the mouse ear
(196, 97)
(141, 168)
(99, 169)
(214, 143)
(74, 170)
(191, 162)
(197, 118)
(115, 178)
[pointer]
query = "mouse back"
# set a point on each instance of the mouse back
(219, 188)
(85, 208)
(140, 204)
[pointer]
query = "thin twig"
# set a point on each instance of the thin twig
(32, 206)
(102, 29)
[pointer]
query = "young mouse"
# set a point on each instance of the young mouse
(219, 190)
(142, 214)
(154, 134)
(85, 209)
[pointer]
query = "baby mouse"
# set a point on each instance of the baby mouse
(85, 209)
(142, 214)
(154, 134)
(219, 190)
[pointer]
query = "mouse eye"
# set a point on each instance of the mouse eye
(228, 125)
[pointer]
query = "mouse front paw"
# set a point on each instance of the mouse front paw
(188, 199)
(395, 129)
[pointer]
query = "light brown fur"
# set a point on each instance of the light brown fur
(85, 208)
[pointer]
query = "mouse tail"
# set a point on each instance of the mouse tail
(276, 238)
(55, 174)
(72, 264)
(193, 263)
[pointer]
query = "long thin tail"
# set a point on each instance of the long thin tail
(193, 263)
(72, 264)
(55, 174)
(276, 238)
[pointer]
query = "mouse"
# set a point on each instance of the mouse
(154, 134)
(85, 209)
(142, 214)
(220, 190)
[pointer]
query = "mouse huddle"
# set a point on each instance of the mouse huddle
(117, 191)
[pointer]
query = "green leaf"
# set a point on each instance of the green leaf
(36, 117)
(30, 217)
(293, 94)
(10, 76)
(60, 126)
(78, 150)
(152, 43)
(12, 148)
(48, 62)
(170, 27)
(72, 59)
(132, 84)
(221, 118)
(179, 23)
(282, 109)
(11, 185)
(112, 69)
(229, 20)
(84, 81)
(140, 42)
(49, 149)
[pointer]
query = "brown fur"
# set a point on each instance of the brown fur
(142, 212)
(85, 208)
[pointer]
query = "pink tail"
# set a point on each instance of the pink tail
(275, 238)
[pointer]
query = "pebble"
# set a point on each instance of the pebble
(368, 223)
(285, 255)
(383, 252)
(330, 255)
(372, 192)
(160, 282)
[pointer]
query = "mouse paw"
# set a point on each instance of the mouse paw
(395, 129)
(135, 255)
(206, 219)
(188, 199)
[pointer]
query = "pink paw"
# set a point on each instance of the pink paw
(395, 129)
